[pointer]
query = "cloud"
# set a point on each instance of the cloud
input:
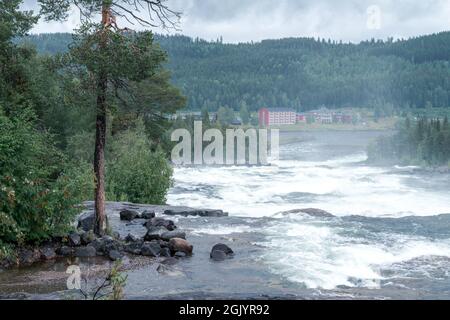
(247, 20)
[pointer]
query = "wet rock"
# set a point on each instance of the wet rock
(312, 212)
(165, 252)
(194, 212)
(223, 247)
(166, 236)
(150, 249)
(88, 237)
(169, 261)
(85, 252)
(133, 248)
(180, 245)
(115, 255)
(99, 245)
(74, 239)
(160, 222)
(154, 233)
(218, 255)
(111, 244)
(180, 255)
(147, 215)
(131, 238)
(27, 257)
(65, 251)
(86, 221)
(48, 254)
(128, 215)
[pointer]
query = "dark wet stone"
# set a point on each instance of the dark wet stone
(85, 252)
(128, 215)
(132, 238)
(223, 247)
(312, 212)
(160, 222)
(64, 251)
(180, 245)
(147, 214)
(154, 233)
(180, 254)
(74, 239)
(165, 252)
(28, 257)
(166, 236)
(169, 261)
(151, 249)
(115, 255)
(48, 254)
(194, 212)
(133, 248)
(218, 255)
(86, 221)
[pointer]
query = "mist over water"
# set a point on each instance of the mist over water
(389, 229)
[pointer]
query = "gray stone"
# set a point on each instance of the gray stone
(28, 257)
(160, 222)
(88, 237)
(48, 254)
(86, 221)
(150, 249)
(65, 251)
(131, 238)
(180, 245)
(115, 255)
(195, 212)
(74, 239)
(166, 236)
(85, 252)
(133, 248)
(128, 215)
(165, 252)
(311, 212)
(154, 233)
(147, 214)
(223, 247)
(218, 255)
(180, 254)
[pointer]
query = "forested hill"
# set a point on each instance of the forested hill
(304, 73)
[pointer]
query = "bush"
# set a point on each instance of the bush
(39, 190)
(134, 172)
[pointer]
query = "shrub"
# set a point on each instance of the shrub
(134, 172)
(39, 190)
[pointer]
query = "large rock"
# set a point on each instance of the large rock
(131, 238)
(154, 233)
(48, 253)
(150, 249)
(27, 257)
(221, 252)
(88, 237)
(133, 248)
(115, 255)
(147, 215)
(160, 222)
(180, 245)
(86, 221)
(166, 236)
(194, 212)
(74, 239)
(85, 252)
(128, 215)
(65, 251)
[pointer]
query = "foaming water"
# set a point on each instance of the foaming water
(326, 172)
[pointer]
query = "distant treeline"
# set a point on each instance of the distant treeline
(421, 142)
(303, 73)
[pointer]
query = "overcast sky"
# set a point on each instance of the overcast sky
(347, 20)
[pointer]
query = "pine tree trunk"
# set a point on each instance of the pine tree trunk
(100, 141)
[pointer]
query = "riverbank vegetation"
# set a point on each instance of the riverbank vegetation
(424, 142)
(47, 129)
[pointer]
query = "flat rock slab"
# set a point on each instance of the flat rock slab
(196, 213)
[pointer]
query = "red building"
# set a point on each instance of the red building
(276, 116)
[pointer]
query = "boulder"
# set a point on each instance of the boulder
(150, 249)
(222, 247)
(179, 255)
(147, 215)
(128, 215)
(85, 252)
(74, 239)
(133, 248)
(131, 238)
(65, 251)
(218, 255)
(27, 257)
(48, 254)
(165, 252)
(88, 237)
(154, 233)
(180, 245)
(166, 236)
(194, 212)
(160, 222)
(115, 255)
(87, 220)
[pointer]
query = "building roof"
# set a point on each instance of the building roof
(280, 110)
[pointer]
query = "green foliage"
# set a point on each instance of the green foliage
(136, 173)
(425, 142)
(39, 190)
